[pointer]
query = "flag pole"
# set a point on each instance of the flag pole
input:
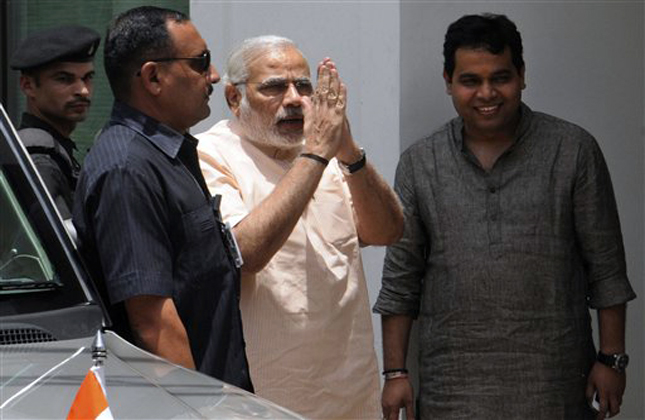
(91, 398)
(99, 354)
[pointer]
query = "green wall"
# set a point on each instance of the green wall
(33, 15)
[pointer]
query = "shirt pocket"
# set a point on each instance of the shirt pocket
(334, 221)
(200, 255)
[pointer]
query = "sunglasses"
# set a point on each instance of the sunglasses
(201, 63)
(278, 87)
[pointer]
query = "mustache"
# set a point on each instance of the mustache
(210, 90)
(290, 112)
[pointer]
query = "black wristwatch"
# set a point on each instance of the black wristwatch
(350, 168)
(617, 361)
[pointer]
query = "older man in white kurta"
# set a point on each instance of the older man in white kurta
(304, 301)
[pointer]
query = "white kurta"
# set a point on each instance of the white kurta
(306, 315)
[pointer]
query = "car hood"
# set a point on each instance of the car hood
(39, 381)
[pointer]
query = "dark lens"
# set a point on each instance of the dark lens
(206, 61)
(304, 87)
(201, 63)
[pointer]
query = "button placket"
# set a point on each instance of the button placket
(493, 210)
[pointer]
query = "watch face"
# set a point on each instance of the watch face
(621, 362)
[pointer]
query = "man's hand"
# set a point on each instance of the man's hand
(325, 113)
(610, 386)
(348, 151)
(397, 394)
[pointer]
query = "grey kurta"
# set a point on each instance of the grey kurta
(501, 266)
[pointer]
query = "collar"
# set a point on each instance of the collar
(31, 121)
(526, 116)
(161, 136)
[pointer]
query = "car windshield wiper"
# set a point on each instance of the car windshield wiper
(23, 284)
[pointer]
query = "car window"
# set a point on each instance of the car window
(24, 265)
(40, 268)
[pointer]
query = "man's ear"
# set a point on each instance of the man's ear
(150, 75)
(27, 85)
(233, 98)
(448, 79)
(523, 76)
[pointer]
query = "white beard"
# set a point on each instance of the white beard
(258, 130)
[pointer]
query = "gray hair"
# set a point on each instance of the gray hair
(237, 65)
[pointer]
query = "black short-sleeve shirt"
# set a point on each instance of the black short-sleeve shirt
(147, 226)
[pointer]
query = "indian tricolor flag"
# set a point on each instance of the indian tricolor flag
(91, 401)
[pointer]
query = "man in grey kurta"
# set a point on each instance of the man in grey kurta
(511, 234)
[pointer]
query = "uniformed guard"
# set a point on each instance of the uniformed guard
(56, 68)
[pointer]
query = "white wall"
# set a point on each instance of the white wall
(584, 63)
(363, 40)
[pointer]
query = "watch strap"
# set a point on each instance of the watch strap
(616, 361)
(354, 167)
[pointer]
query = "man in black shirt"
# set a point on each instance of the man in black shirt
(56, 68)
(145, 219)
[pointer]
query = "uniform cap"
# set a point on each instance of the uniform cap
(64, 43)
